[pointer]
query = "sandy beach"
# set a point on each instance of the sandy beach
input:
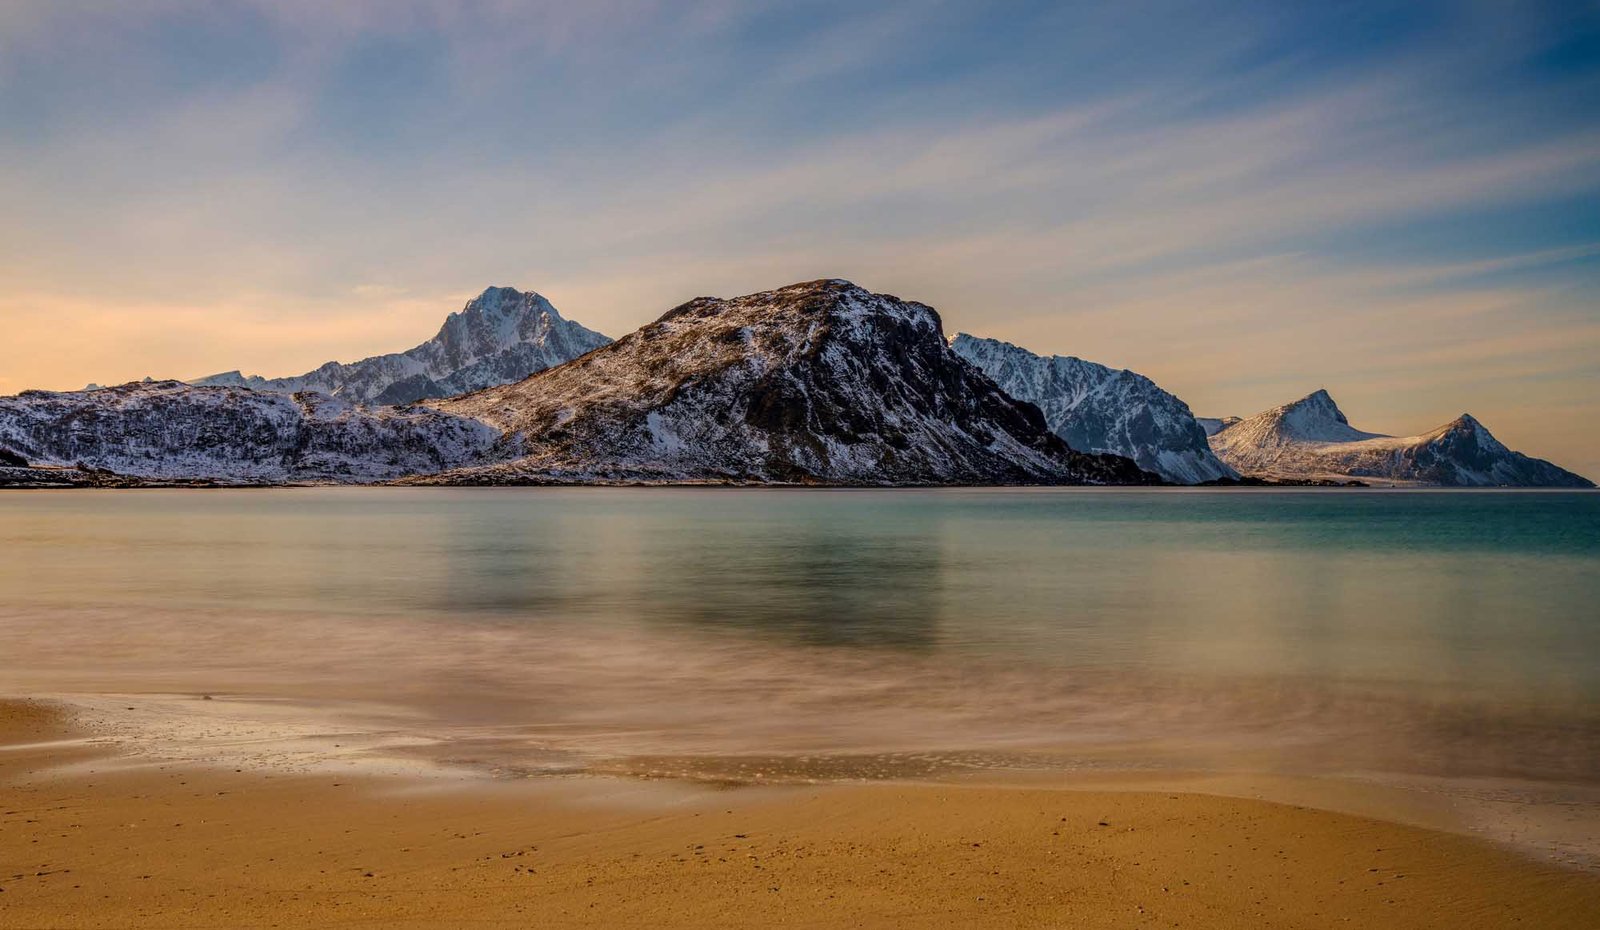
(88, 840)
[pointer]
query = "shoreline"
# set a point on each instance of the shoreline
(104, 841)
(127, 483)
(62, 478)
(55, 477)
(1548, 821)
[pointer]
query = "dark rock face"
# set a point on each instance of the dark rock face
(502, 335)
(1100, 409)
(166, 429)
(821, 382)
(10, 459)
(412, 389)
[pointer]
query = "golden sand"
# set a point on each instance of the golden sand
(87, 840)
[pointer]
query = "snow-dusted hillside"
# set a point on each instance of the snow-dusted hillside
(1312, 439)
(822, 382)
(816, 382)
(502, 335)
(1099, 409)
(167, 429)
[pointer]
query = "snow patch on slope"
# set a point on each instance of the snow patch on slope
(1099, 409)
(167, 429)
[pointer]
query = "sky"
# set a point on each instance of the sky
(1245, 201)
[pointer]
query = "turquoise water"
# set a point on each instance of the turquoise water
(1437, 633)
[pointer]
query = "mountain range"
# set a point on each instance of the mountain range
(822, 382)
(1311, 439)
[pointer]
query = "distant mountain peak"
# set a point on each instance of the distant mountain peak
(508, 300)
(1469, 431)
(1315, 417)
(1321, 400)
(1311, 439)
(502, 335)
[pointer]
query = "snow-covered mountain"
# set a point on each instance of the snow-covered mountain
(821, 382)
(815, 382)
(1312, 439)
(167, 429)
(502, 335)
(1099, 409)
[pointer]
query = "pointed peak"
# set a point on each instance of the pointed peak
(1314, 417)
(1467, 428)
(1318, 403)
(1466, 423)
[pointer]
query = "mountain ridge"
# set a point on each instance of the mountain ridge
(1311, 438)
(1100, 409)
(169, 429)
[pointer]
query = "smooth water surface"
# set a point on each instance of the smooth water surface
(1425, 633)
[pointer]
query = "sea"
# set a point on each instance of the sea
(1441, 642)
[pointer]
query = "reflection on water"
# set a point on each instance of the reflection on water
(1427, 633)
(804, 578)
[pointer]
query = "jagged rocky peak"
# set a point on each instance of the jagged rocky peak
(496, 320)
(1100, 409)
(1311, 439)
(500, 336)
(822, 382)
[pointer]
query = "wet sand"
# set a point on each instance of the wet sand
(91, 840)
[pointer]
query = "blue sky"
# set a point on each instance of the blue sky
(1245, 201)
